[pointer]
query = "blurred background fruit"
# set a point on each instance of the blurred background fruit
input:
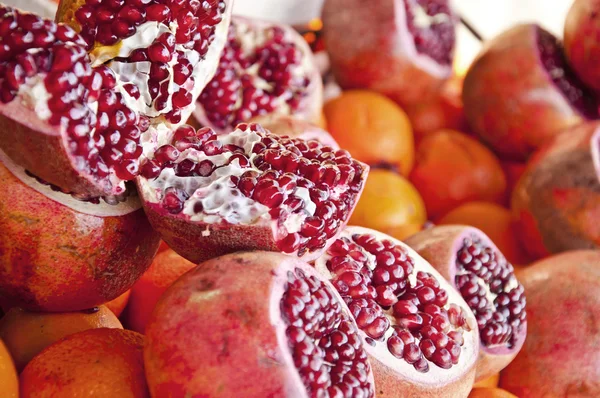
(118, 305)
(490, 382)
(490, 393)
(9, 379)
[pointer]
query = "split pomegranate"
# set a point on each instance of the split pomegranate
(520, 92)
(582, 27)
(209, 195)
(561, 356)
(469, 260)
(61, 254)
(557, 201)
(419, 333)
(265, 312)
(403, 49)
(293, 127)
(265, 69)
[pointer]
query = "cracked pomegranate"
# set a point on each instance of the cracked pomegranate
(563, 297)
(582, 27)
(209, 195)
(407, 57)
(469, 260)
(557, 200)
(281, 320)
(419, 333)
(502, 90)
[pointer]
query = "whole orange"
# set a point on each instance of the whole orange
(372, 128)
(26, 334)
(490, 382)
(490, 393)
(118, 305)
(513, 172)
(452, 168)
(100, 363)
(9, 379)
(390, 204)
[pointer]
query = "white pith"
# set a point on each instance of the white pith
(33, 95)
(423, 20)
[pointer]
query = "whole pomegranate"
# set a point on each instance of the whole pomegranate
(520, 92)
(420, 334)
(469, 260)
(265, 69)
(561, 356)
(557, 201)
(582, 27)
(210, 195)
(401, 48)
(61, 254)
(255, 325)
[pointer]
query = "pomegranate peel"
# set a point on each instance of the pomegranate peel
(581, 27)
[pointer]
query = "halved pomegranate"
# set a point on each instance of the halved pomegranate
(61, 254)
(265, 69)
(520, 92)
(264, 313)
(419, 333)
(293, 127)
(469, 260)
(401, 48)
(210, 195)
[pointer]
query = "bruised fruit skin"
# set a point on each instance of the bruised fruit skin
(520, 92)
(61, 254)
(26, 333)
(581, 30)
(420, 335)
(103, 362)
(557, 201)
(9, 378)
(563, 297)
(469, 260)
(407, 57)
(280, 320)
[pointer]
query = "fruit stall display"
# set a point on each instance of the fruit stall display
(201, 204)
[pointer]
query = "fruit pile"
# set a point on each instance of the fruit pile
(189, 212)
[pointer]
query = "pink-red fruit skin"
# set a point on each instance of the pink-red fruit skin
(582, 29)
(556, 203)
(561, 356)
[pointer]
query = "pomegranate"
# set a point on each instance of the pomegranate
(210, 195)
(469, 260)
(61, 254)
(582, 27)
(293, 127)
(561, 357)
(403, 49)
(265, 69)
(557, 201)
(520, 92)
(263, 312)
(419, 333)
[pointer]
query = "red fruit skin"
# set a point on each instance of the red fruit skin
(439, 246)
(382, 59)
(500, 98)
(557, 201)
(561, 357)
(582, 28)
(56, 259)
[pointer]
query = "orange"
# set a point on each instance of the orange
(497, 223)
(390, 204)
(452, 168)
(166, 268)
(9, 380)
(118, 305)
(490, 382)
(27, 333)
(513, 172)
(99, 363)
(490, 393)
(372, 128)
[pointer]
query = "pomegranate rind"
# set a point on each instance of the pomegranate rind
(440, 246)
(510, 101)
(55, 258)
(211, 319)
(383, 59)
(557, 200)
(395, 377)
(581, 29)
(563, 297)
(293, 127)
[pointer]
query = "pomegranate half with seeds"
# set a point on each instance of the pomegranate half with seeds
(61, 254)
(210, 195)
(401, 48)
(520, 92)
(267, 313)
(265, 69)
(293, 127)
(419, 333)
(469, 260)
